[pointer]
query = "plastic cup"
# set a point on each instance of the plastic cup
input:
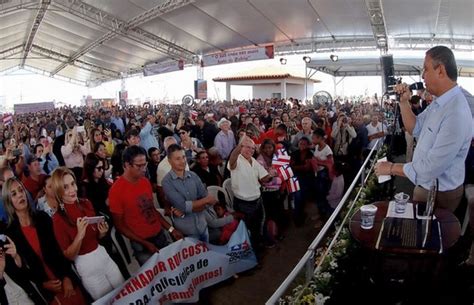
(367, 216)
(401, 200)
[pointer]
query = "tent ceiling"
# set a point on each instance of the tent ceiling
(91, 41)
(370, 66)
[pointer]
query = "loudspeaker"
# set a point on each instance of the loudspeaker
(388, 72)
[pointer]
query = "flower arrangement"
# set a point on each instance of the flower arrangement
(318, 290)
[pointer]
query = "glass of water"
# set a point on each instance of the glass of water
(367, 216)
(401, 200)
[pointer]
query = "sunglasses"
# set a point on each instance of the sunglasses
(99, 168)
(182, 132)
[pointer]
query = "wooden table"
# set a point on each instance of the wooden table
(450, 229)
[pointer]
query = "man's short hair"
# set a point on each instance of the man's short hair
(442, 55)
(319, 132)
(132, 133)
(282, 127)
(131, 152)
(199, 154)
(151, 150)
(172, 148)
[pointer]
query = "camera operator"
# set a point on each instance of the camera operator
(443, 130)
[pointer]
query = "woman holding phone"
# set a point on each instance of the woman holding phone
(78, 236)
(73, 151)
(33, 235)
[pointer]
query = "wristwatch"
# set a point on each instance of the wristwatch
(171, 229)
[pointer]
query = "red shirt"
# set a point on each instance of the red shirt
(65, 232)
(32, 237)
(33, 186)
(135, 202)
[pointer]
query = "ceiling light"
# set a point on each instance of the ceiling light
(334, 57)
(283, 61)
(307, 59)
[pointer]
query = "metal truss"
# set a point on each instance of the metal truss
(418, 43)
(128, 28)
(51, 54)
(377, 22)
(326, 44)
(34, 29)
(4, 54)
(16, 5)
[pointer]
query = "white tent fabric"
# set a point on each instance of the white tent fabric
(90, 41)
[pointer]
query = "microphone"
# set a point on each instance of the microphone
(417, 86)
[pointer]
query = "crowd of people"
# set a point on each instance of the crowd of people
(137, 168)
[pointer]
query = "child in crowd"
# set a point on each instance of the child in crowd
(337, 187)
(228, 229)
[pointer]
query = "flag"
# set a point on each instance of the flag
(7, 119)
(282, 152)
(293, 185)
(285, 172)
(280, 160)
(194, 114)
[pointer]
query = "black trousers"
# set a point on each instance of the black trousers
(253, 219)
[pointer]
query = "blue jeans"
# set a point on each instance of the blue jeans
(142, 254)
(204, 237)
(323, 183)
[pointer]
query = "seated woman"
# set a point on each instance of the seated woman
(33, 235)
(10, 291)
(97, 136)
(48, 202)
(94, 185)
(190, 145)
(79, 238)
(100, 152)
(209, 174)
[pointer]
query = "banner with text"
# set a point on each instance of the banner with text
(163, 67)
(179, 271)
(33, 107)
(238, 56)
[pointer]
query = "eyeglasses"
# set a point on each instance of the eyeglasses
(140, 166)
(182, 132)
(99, 168)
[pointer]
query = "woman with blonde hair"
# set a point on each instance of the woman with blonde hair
(97, 137)
(33, 235)
(78, 236)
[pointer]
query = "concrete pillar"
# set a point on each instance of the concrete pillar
(227, 92)
(283, 88)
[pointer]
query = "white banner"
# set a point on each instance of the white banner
(179, 271)
(164, 67)
(238, 56)
(33, 107)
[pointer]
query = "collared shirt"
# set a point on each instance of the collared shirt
(181, 192)
(118, 122)
(147, 138)
(245, 178)
(444, 132)
(224, 143)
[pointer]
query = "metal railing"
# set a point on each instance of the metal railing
(307, 261)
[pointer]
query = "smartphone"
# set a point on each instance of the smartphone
(95, 219)
(3, 240)
(16, 152)
(80, 129)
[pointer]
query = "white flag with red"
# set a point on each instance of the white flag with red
(280, 160)
(285, 172)
(7, 119)
(293, 185)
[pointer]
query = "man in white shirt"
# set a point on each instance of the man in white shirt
(376, 130)
(246, 177)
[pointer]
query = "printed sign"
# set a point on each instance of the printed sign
(164, 67)
(238, 56)
(179, 271)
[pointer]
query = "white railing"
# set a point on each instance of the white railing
(307, 261)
